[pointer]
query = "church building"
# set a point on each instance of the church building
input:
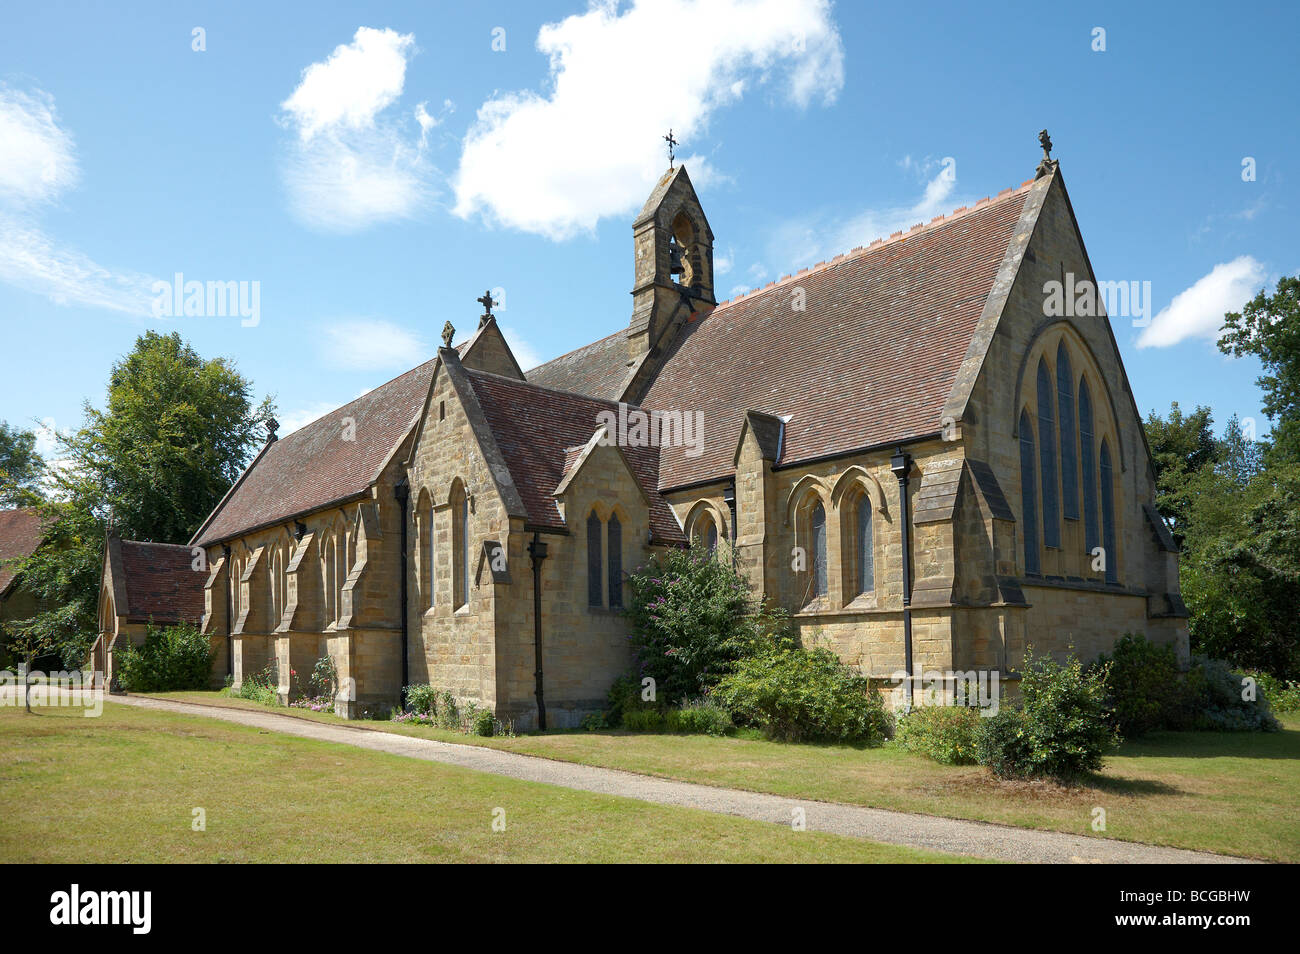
(903, 446)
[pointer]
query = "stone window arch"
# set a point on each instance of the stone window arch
(811, 540)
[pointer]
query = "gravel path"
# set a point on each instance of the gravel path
(977, 839)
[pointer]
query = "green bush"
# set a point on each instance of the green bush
(796, 694)
(692, 620)
(700, 718)
(1002, 743)
(624, 696)
(944, 733)
(1145, 689)
(1220, 703)
(257, 687)
(480, 721)
(172, 658)
(1063, 729)
(422, 699)
(1283, 695)
(643, 720)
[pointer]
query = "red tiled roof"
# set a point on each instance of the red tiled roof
(315, 466)
(537, 430)
(20, 535)
(597, 369)
(161, 582)
(872, 358)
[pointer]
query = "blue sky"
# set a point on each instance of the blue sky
(373, 168)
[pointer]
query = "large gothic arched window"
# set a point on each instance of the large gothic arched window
(1087, 467)
(595, 561)
(817, 526)
(614, 531)
(1028, 502)
(1069, 459)
(1047, 458)
(1108, 515)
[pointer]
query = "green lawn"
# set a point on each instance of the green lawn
(122, 788)
(1231, 793)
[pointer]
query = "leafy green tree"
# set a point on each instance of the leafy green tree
(1182, 445)
(1241, 457)
(175, 434)
(1268, 327)
(21, 468)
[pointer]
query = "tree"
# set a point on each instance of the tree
(21, 468)
(176, 433)
(1181, 445)
(1268, 326)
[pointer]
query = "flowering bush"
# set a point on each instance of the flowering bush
(321, 689)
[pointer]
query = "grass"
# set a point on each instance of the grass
(1232, 793)
(122, 788)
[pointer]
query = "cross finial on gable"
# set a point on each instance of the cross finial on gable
(671, 143)
(487, 303)
(448, 332)
(1047, 164)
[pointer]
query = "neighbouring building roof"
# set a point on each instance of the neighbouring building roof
(541, 432)
(159, 581)
(318, 465)
(20, 535)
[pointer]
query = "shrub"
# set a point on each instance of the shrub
(1283, 695)
(1002, 743)
(624, 696)
(944, 733)
(172, 658)
(797, 694)
(1145, 689)
(422, 699)
(1061, 730)
(258, 687)
(692, 620)
(1220, 703)
(643, 720)
(699, 718)
(595, 721)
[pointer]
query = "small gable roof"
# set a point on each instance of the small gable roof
(159, 581)
(541, 432)
(21, 532)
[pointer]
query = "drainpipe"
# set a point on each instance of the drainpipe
(901, 465)
(230, 612)
(403, 492)
(537, 550)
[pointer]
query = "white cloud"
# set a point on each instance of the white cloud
(36, 155)
(555, 164)
(37, 165)
(1197, 312)
(32, 261)
(372, 344)
(723, 262)
(802, 242)
(350, 165)
(527, 356)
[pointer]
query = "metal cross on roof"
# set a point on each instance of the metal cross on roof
(487, 303)
(671, 143)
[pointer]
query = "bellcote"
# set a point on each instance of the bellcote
(673, 250)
